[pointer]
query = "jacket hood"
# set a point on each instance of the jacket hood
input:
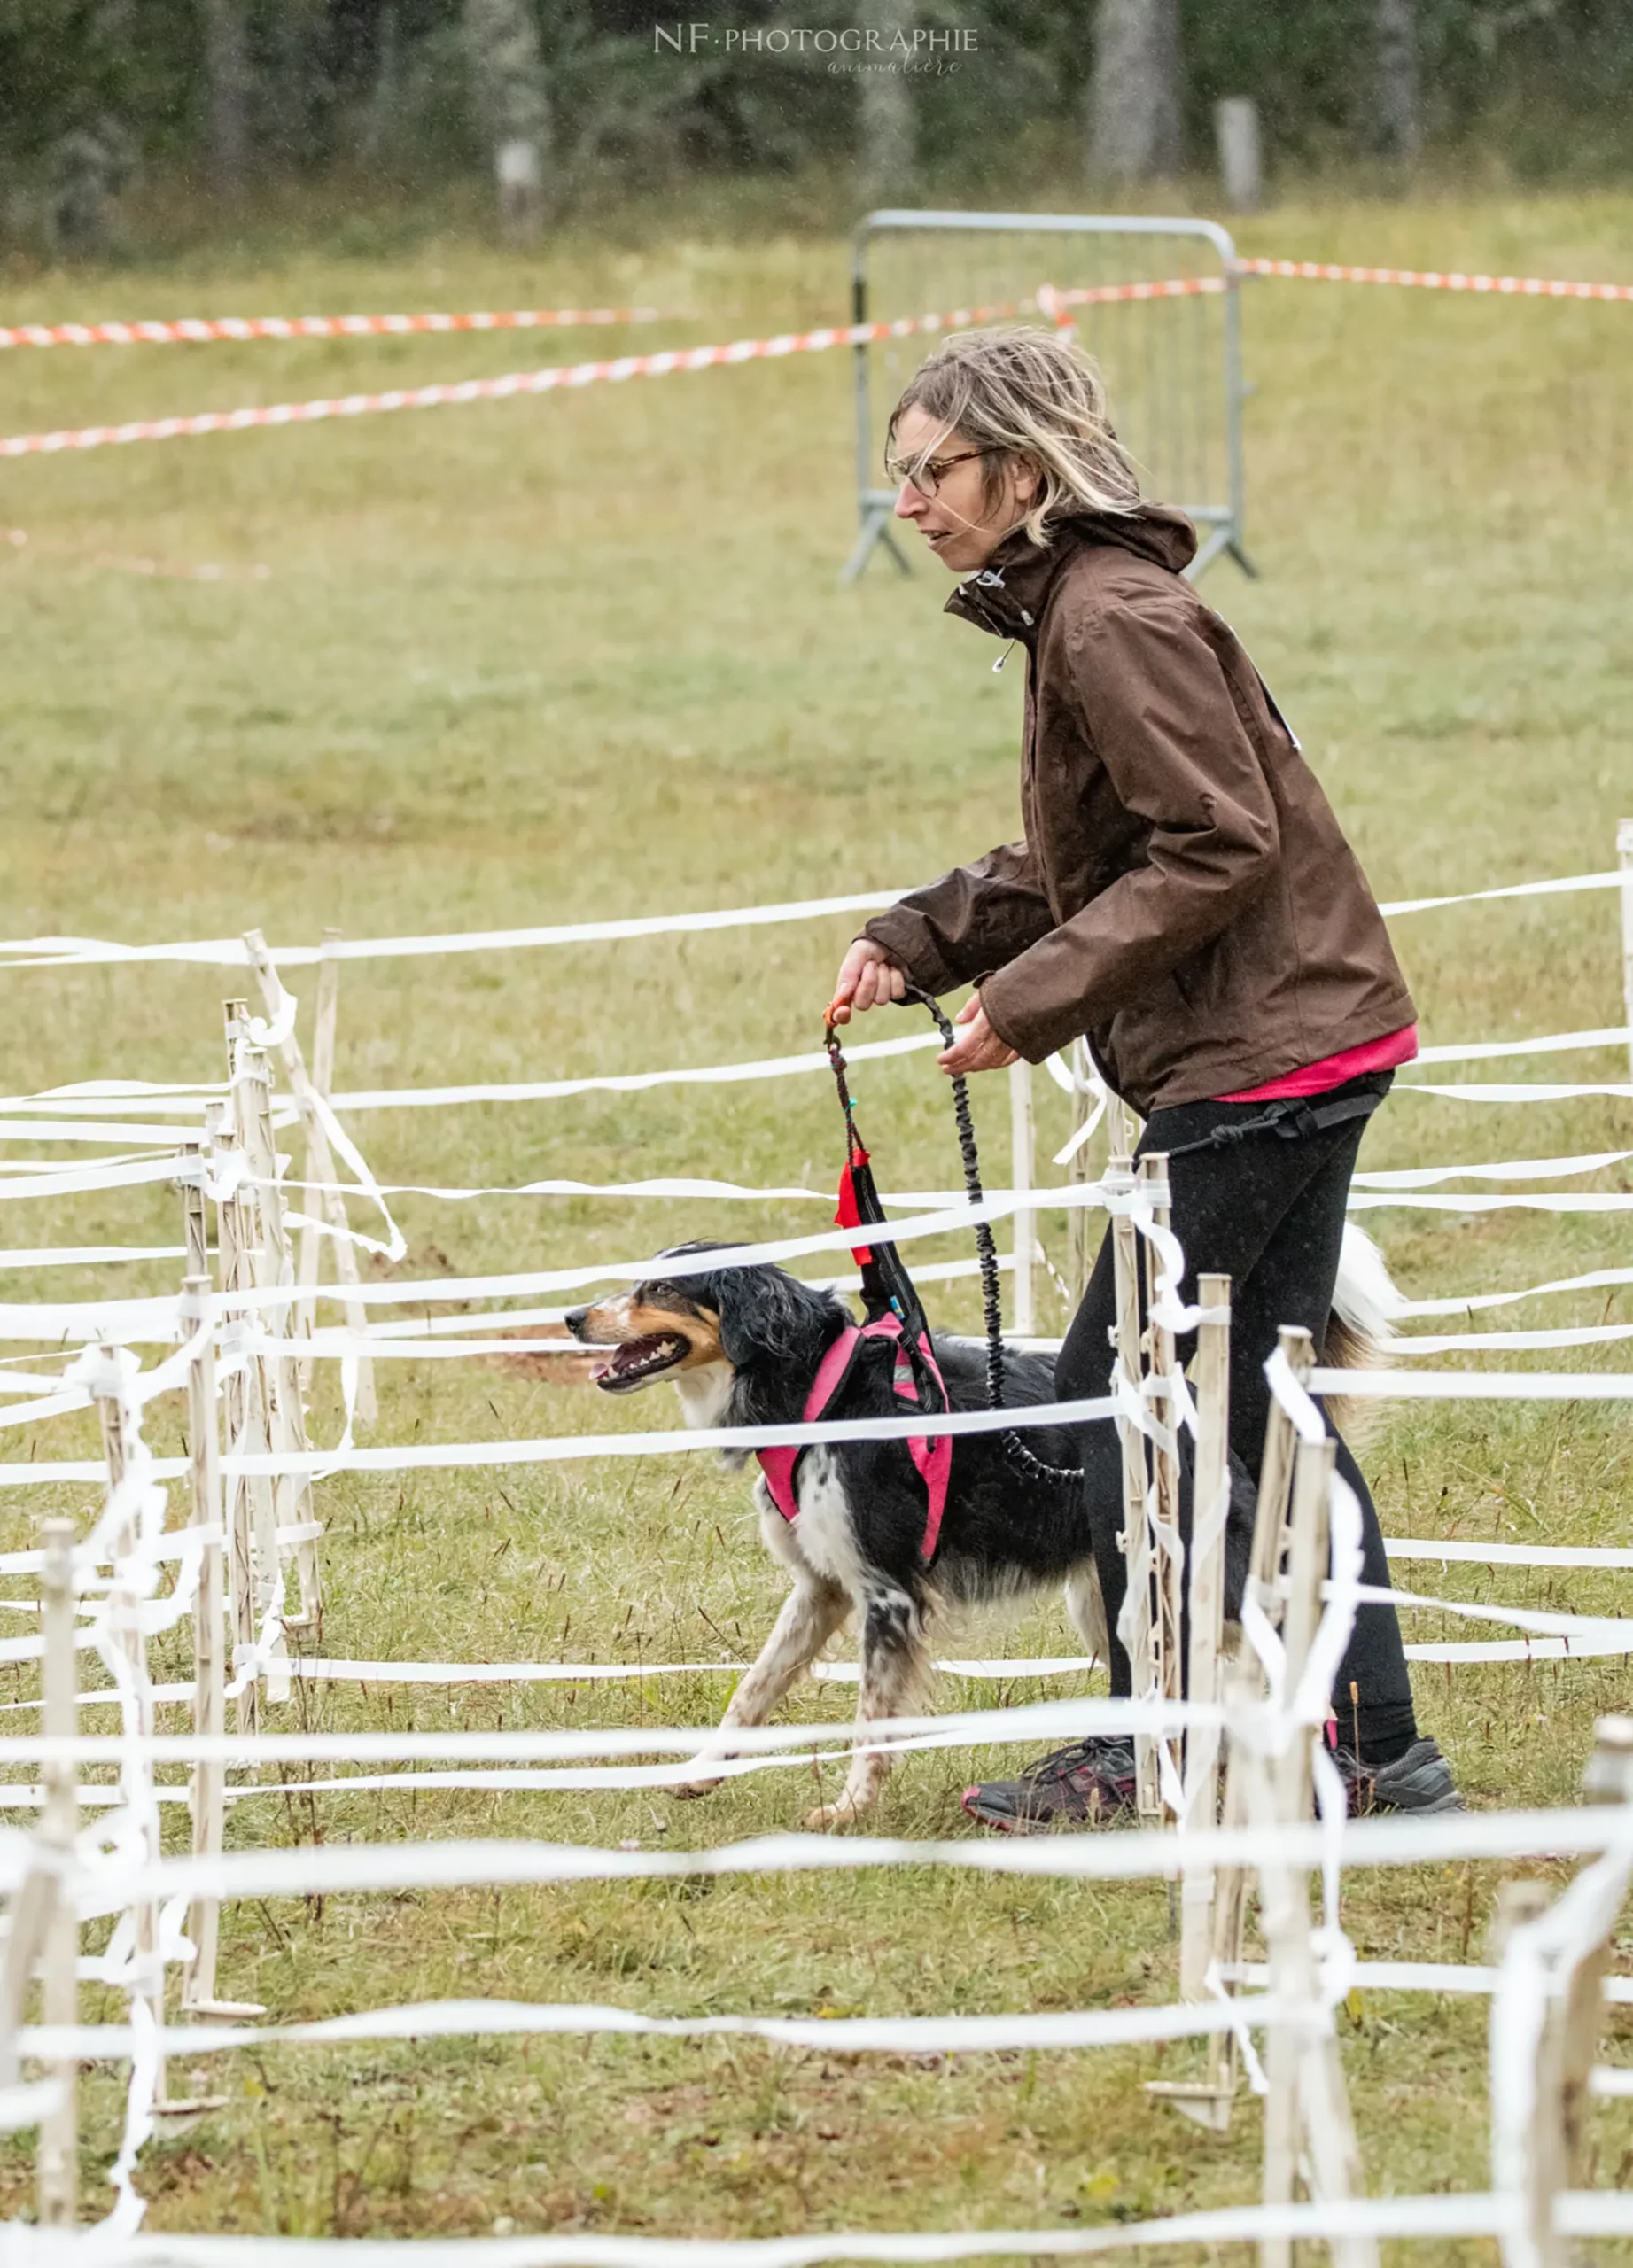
(1007, 596)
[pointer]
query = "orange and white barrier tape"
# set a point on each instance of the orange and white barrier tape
(500, 389)
(199, 330)
(1050, 297)
(1051, 301)
(1432, 279)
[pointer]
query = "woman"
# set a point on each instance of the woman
(1182, 896)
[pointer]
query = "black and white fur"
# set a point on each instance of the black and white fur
(743, 1347)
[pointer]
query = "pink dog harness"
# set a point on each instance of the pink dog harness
(931, 1455)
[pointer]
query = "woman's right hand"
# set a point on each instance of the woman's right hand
(868, 977)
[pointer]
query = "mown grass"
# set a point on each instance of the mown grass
(586, 655)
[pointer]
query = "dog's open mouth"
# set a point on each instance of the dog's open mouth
(637, 1360)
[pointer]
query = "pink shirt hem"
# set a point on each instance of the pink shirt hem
(1385, 1054)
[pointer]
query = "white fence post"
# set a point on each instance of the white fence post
(1168, 1571)
(1210, 1505)
(60, 1997)
(125, 1602)
(1624, 859)
(1021, 1168)
(206, 1795)
(328, 1200)
(1546, 2015)
(1136, 1618)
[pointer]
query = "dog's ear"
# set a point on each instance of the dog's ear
(766, 1314)
(739, 1297)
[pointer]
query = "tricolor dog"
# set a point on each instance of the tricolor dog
(863, 1528)
(890, 1532)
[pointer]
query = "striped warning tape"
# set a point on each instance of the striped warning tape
(1050, 299)
(511, 385)
(198, 330)
(1433, 279)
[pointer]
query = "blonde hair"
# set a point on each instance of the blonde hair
(1020, 391)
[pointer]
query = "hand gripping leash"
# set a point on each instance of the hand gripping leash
(858, 1204)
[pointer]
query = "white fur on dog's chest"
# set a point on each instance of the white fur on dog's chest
(823, 1538)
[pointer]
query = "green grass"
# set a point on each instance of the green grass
(584, 657)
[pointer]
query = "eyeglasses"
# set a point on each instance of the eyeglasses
(929, 476)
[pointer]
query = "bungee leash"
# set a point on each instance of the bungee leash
(886, 1284)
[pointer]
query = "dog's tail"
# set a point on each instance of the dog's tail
(1361, 1330)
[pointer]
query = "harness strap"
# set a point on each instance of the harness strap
(932, 1456)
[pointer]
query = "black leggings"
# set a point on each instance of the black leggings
(1269, 1212)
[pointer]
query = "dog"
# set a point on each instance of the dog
(743, 1347)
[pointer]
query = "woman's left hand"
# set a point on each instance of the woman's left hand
(977, 1047)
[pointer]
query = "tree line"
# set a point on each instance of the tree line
(558, 102)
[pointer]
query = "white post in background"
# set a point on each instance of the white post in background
(1021, 1160)
(1624, 859)
(1236, 131)
(60, 2002)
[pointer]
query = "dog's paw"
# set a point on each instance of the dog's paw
(827, 1815)
(688, 1790)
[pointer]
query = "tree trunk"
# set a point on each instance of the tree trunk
(378, 135)
(285, 86)
(888, 124)
(1134, 99)
(227, 71)
(1397, 111)
(512, 107)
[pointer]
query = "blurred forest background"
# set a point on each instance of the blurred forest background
(129, 128)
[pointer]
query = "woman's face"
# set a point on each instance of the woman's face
(958, 524)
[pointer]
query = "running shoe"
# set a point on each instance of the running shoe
(1091, 1783)
(1419, 1781)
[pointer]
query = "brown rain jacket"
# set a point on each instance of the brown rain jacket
(1183, 895)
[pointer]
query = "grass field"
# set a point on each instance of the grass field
(586, 657)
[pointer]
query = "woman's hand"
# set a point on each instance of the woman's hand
(868, 977)
(977, 1047)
